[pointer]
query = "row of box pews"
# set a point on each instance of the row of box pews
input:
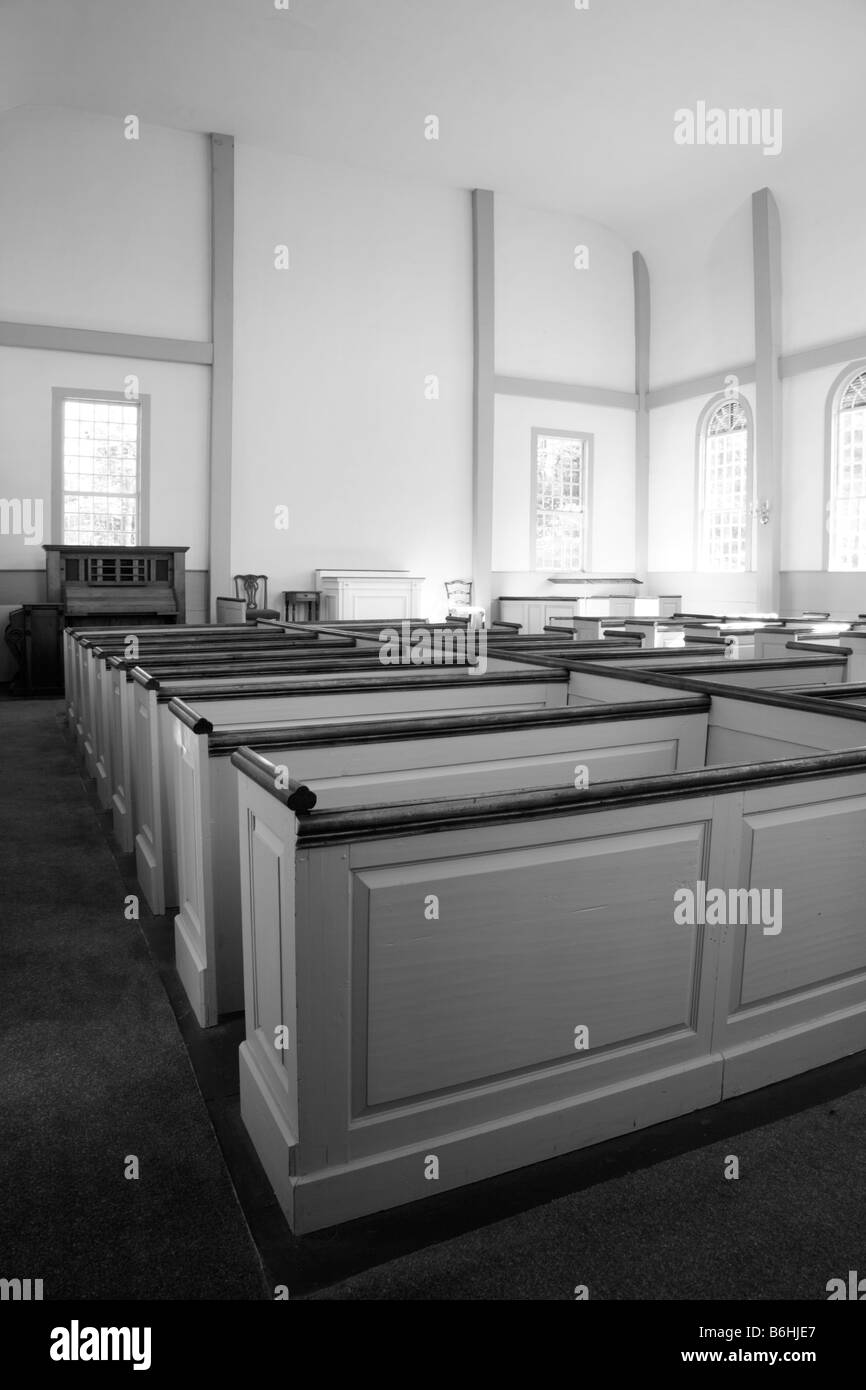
(445, 898)
(741, 636)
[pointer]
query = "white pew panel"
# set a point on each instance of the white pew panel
(368, 773)
(401, 1052)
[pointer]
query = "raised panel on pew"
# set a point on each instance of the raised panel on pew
(195, 877)
(795, 998)
(268, 1075)
(493, 986)
(146, 803)
(355, 1154)
(511, 1114)
(121, 763)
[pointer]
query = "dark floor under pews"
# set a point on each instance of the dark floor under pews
(102, 1060)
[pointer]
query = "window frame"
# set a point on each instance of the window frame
(588, 441)
(701, 438)
(61, 394)
(831, 434)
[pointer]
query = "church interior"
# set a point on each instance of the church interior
(433, 586)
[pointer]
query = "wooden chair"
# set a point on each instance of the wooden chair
(249, 586)
(458, 593)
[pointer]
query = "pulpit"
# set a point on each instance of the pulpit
(353, 595)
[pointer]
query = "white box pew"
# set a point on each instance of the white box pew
(657, 632)
(283, 698)
(607, 680)
(394, 760)
(432, 965)
(817, 667)
(772, 641)
(627, 656)
(115, 716)
(848, 694)
(593, 683)
(619, 637)
(854, 642)
(741, 637)
(110, 737)
(304, 663)
(588, 628)
(86, 647)
(113, 711)
(96, 704)
(153, 636)
(759, 725)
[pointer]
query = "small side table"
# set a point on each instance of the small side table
(302, 605)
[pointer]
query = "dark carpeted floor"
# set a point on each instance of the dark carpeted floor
(794, 1219)
(92, 1066)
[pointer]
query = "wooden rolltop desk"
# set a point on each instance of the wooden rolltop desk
(107, 584)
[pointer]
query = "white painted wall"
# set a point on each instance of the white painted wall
(803, 420)
(555, 322)
(102, 232)
(823, 271)
(558, 323)
(178, 441)
(331, 360)
(672, 518)
(804, 582)
(701, 292)
(613, 431)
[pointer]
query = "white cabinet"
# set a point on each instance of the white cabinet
(356, 595)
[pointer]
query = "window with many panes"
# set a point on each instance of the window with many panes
(725, 514)
(560, 530)
(846, 520)
(98, 469)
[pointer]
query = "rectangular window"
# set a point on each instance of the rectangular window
(848, 507)
(560, 533)
(99, 469)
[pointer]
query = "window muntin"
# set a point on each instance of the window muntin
(561, 463)
(725, 524)
(847, 507)
(101, 471)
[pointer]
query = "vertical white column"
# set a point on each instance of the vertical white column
(641, 386)
(767, 265)
(222, 151)
(483, 250)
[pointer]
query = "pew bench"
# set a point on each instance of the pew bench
(356, 763)
(485, 982)
(97, 702)
(265, 699)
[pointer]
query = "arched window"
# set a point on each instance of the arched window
(725, 512)
(846, 508)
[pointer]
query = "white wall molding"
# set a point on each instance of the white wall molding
(825, 355)
(49, 337)
(813, 359)
(696, 386)
(565, 391)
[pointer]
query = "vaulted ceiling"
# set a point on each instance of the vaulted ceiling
(556, 106)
